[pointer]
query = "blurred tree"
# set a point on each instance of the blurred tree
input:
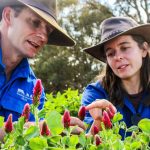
(137, 9)
(63, 67)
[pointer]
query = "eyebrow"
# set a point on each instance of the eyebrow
(122, 43)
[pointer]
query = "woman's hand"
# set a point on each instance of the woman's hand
(96, 107)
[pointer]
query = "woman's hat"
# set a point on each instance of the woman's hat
(46, 9)
(114, 27)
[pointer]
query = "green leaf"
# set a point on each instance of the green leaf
(41, 113)
(19, 125)
(144, 125)
(54, 122)
(82, 139)
(38, 143)
(118, 145)
(133, 128)
(55, 138)
(20, 141)
(1, 121)
(73, 141)
(135, 145)
(117, 117)
(31, 132)
(65, 140)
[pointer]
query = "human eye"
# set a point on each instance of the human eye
(110, 53)
(125, 48)
(35, 23)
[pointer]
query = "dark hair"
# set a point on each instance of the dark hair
(16, 8)
(112, 83)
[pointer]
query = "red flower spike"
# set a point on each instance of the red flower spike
(26, 112)
(45, 130)
(37, 90)
(81, 113)
(97, 140)
(9, 124)
(66, 119)
(95, 129)
(110, 114)
(106, 120)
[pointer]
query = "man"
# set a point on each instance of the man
(25, 27)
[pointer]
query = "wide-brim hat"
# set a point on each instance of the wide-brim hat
(114, 27)
(46, 9)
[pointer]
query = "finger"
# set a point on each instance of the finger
(76, 121)
(112, 108)
(98, 104)
(76, 130)
(96, 113)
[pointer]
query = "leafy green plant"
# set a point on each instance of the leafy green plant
(70, 100)
(55, 132)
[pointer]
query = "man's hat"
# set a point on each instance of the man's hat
(114, 27)
(46, 9)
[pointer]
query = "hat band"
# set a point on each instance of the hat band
(113, 34)
(40, 6)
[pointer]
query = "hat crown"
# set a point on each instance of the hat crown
(113, 26)
(48, 6)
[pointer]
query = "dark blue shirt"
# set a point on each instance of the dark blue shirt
(130, 114)
(16, 92)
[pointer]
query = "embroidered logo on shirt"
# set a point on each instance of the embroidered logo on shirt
(24, 96)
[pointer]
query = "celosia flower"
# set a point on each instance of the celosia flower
(45, 130)
(66, 119)
(97, 140)
(37, 90)
(26, 112)
(9, 124)
(95, 129)
(110, 114)
(106, 120)
(81, 113)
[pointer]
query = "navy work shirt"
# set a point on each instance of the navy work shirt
(130, 115)
(16, 92)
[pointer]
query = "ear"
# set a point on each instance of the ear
(7, 15)
(145, 49)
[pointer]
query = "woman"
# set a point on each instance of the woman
(126, 85)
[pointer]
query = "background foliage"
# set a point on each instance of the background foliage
(63, 67)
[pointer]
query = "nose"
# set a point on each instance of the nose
(42, 33)
(118, 56)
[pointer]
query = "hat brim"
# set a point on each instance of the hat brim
(97, 51)
(58, 37)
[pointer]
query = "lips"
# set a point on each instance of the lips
(122, 66)
(34, 44)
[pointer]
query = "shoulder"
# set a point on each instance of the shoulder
(96, 86)
(92, 92)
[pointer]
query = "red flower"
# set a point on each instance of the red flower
(66, 119)
(106, 120)
(95, 129)
(37, 90)
(81, 113)
(97, 140)
(26, 112)
(9, 124)
(45, 130)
